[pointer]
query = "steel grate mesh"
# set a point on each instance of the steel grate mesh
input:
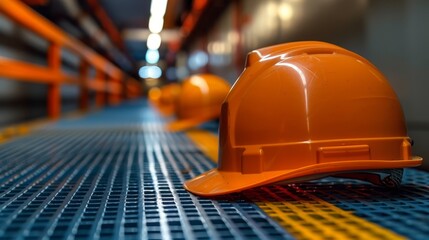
(96, 178)
(118, 174)
(312, 210)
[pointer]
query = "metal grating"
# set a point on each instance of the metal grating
(95, 178)
(118, 174)
(349, 209)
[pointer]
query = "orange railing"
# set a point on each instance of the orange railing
(110, 83)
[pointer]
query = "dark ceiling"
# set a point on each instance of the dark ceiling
(118, 29)
(128, 13)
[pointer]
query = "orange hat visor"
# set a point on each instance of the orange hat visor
(215, 182)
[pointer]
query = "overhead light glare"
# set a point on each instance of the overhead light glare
(150, 72)
(153, 41)
(152, 56)
(158, 8)
(156, 24)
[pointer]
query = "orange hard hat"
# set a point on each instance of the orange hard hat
(306, 110)
(199, 101)
(165, 98)
(154, 95)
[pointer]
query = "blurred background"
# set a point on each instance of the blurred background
(163, 42)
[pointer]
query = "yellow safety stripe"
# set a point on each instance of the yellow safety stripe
(22, 129)
(206, 141)
(309, 218)
(18, 130)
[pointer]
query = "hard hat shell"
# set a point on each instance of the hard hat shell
(305, 109)
(154, 95)
(199, 101)
(164, 98)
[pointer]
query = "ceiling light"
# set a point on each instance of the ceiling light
(150, 72)
(152, 56)
(153, 41)
(158, 8)
(156, 24)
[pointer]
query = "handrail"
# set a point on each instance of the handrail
(109, 79)
(31, 20)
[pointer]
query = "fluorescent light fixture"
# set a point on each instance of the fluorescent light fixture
(156, 24)
(153, 41)
(152, 56)
(150, 72)
(158, 8)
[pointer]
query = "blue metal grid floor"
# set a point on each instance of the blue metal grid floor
(117, 174)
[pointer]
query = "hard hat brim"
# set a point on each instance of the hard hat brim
(180, 125)
(215, 182)
(183, 124)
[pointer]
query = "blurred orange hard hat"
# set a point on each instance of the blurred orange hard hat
(154, 95)
(165, 98)
(306, 110)
(199, 101)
